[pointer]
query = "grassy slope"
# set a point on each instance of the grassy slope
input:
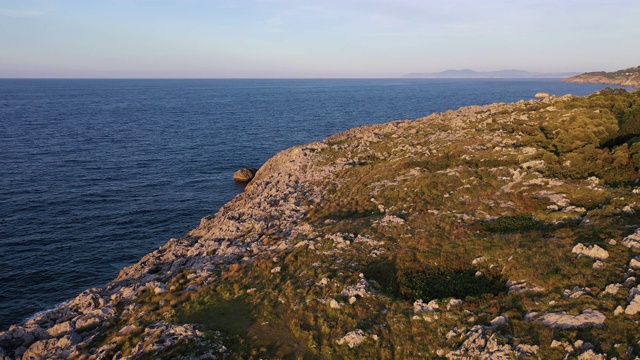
(519, 184)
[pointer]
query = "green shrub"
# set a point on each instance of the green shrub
(385, 273)
(438, 282)
(510, 224)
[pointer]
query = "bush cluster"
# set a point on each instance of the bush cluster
(513, 224)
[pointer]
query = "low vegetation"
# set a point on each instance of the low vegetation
(486, 232)
(518, 187)
(454, 206)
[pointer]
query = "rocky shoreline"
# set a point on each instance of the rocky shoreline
(273, 198)
(627, 79)
(321, 226)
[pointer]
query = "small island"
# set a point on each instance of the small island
(628, 77)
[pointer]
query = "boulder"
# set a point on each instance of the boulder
(634, 301)
(481, 343)
(353, 338)
(500, 320)
(39, 350)
(244, 175)
(334, 304)
(562, 320)
(612, 289)
(421, 307)
(632, 241)
(61, 329)
(593, 251)
(361, 288)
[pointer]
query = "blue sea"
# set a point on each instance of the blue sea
(94, 174)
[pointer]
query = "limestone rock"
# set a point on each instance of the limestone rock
(634, 301)
(60, 329)
(481, 343)
(334, 304)
(420, 307)
(86, 323)
(576, 292)
(453, 303)
(161, 335)
(500, 320)
(39, 350)
(69, 340)
(244, 175)
(632, 241)
(524, 350)
(593, 251)
(391, 220)
(562, 320)
(353, 338)
(522, 285)
(87, 301)
(127, 329)
(619, 310)
(591, 355)
(612, 289)
(533, 165)
(361, 288)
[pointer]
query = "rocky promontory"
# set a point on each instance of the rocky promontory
(493, 232)
(627, 77)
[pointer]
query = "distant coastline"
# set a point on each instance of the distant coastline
(501, 74)
(628, 77)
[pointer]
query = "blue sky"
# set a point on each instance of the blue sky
(287, 38)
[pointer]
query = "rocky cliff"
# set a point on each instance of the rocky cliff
(628, 78)
(499, 231)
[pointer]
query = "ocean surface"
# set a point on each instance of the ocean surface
(94, 174)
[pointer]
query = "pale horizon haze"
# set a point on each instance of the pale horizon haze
(312, 39)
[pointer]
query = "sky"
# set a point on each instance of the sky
(312, 38)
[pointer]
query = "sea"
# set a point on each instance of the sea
(94, 174)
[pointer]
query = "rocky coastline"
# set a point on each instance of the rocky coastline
(320, 226)
(273, 198)
(626, 78)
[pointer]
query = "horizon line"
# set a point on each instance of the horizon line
(284, 78)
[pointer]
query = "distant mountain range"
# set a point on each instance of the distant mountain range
(501, 74)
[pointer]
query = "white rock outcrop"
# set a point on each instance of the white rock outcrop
(632, 241)
(612, 289)
(420, 307)
(361, 288)
(634, 301)
(593, 251)
(353, 338)
(562, 320)
(481, 343)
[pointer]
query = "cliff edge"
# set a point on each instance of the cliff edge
(498, 231)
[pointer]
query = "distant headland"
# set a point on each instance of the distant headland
(501, 74)
(627, 77)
